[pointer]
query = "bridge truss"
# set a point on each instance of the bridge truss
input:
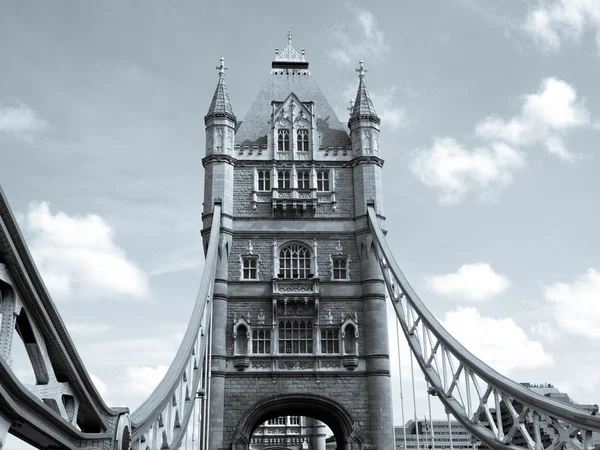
(474, 393)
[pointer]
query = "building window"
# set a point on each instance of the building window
(276, 421)
(339, 267)
(261, 341)
(330, 341)
(264, 180)
(294, 262)
(294, 420)
(295, 336)
(303, 179)
(323, 180)
(250, 268)
(284, 179)
(283, 140)
(302, 140)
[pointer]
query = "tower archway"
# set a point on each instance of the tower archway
(328, 411)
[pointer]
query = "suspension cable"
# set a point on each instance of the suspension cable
(401, 390)
(430, 418)
(412, 375)
(450, 428)
(193, 423)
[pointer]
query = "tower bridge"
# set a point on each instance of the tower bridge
(290, 318)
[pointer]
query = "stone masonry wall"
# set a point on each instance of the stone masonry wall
(243, 181)
(251, 308)
(263, 247)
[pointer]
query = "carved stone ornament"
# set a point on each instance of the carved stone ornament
(302, 121)
(241, 362)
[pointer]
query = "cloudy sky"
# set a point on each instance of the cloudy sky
(490, 123)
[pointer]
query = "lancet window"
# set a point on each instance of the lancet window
(283, 139)
(294, 261)
(323, 181)
(303, 179)
(284, 179)
(302, 140)
(264, 180)
(339, 267)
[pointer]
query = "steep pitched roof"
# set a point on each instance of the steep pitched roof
(279, 85)
(220, 105)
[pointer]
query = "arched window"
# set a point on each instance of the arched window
(295, 336)
(303, 179)
(283, 140)
(302, 140)
(294, 261)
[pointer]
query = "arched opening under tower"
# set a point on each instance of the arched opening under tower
(319, 409)
(292, 433)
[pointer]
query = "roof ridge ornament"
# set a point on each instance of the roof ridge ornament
(221, 67)
(289, 53)
(361, 70)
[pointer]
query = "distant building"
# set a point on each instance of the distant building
(290, 433)
(433, 435)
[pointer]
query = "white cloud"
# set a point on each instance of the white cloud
(79, 258)
(576, 305)
(20, 121)
(88, 329)
(556, 146)
(544, 116)
(544, 119)
(500, 343)
(546, 331)
(391, 115)
(142, 380)
(456, 171)
(101, 386)
(555, 21)
(363, 40)
(472, 282)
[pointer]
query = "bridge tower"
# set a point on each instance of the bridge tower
(299, 313)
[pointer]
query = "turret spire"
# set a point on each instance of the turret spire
(363, 105)
(220, 105)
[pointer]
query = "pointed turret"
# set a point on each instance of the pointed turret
(363, 105)
(364, 121)
(220, 105)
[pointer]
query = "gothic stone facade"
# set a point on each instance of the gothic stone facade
(299, 313)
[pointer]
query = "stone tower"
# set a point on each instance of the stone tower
(299, 311)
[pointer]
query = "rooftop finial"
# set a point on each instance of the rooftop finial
(361, 70)
(351, 107)
(289, 38)
(222, 67)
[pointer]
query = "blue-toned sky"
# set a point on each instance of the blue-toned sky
(490, 128)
